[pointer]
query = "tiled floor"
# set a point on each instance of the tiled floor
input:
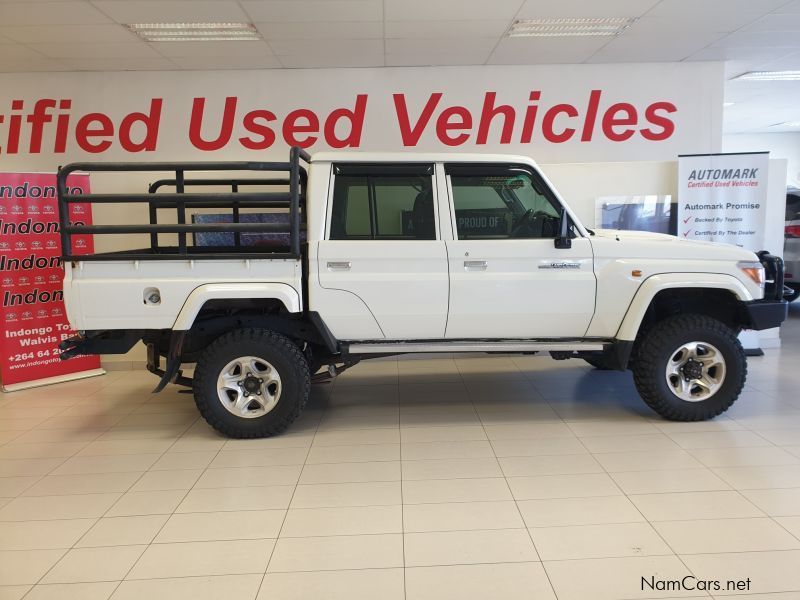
(463, 478)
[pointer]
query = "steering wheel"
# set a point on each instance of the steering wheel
(519, 221)
(527, 218)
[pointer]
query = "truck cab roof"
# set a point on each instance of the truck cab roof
(423, 157)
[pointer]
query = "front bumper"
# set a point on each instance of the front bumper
(766, 314)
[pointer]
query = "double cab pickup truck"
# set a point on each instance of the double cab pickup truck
(268, 276)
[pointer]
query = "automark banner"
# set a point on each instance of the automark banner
(31, 293)
(723, 198)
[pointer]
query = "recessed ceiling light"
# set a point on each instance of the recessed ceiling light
(727, 104)
(569, 27)
(770, 76)
(195, 32)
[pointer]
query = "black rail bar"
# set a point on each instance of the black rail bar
(157, 185)
(294, 200)
(182, 228)
(145, 255)
(237, 236)
(180, 189)
(284, 197)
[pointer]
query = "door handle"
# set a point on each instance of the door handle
(475, 265)
(339, 266)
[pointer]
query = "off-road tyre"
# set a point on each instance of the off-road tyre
(655, 350)
(279, 351)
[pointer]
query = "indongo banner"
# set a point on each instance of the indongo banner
(31, 281)
(555, 113)
(723, 198)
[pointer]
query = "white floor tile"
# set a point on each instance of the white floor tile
(190, 588)
(363, 584)
(337, 553)
(226, 525)
(500, 581)
(347, 520)
(82, 565)
(726, 535)
(598, 541)
(192, 559)
(468, 547)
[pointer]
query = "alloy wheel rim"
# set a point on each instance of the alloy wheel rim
(695, 371)
(249, 387)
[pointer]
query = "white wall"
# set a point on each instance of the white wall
(581, 183)
(779, 145)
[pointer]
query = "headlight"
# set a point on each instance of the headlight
(754, 270)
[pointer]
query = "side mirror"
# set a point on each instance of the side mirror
(563, 241)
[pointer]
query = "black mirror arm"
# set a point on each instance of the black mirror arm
(563, 241)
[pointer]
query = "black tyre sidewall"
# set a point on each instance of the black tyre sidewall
(658, 347)
(275, 349)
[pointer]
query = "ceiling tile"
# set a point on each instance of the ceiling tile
(74, 33)
(119, 64)
(446, 29)
(331, 60)
(790, 62)
(776, 22)
(441, 46)
(18, 51)
(654, 48)
(760, 39)
(30, 65)
(56, 13)
(211, 49)
(446, 10)
(532, 51)
(691, 8)
(719, 23)
(322, 30)
(90, 50)
(754, 55)
(539, 9)
(412, 58)
(204, 63)
(369, 48)
(313, 10)
(171, 11)
(791, 8)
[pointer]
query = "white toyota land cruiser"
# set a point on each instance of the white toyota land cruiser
(264, 281)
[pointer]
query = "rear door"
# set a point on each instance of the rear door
(507, 278)
(383, 248)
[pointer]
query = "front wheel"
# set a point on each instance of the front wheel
(689, 368)
(251, 383)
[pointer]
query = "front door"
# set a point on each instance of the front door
(507, 278)
(384, 253)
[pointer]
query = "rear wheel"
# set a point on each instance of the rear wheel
(689, 368)
(251, 383)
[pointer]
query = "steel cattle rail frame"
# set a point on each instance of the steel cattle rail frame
(180, 201)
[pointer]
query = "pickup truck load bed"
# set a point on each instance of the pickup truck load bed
(288, 272)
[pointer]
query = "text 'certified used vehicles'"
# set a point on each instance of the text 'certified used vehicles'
(264, 278)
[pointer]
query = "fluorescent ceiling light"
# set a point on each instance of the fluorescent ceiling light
(195, 32)
(727, 104)
(770, 76)
(569, 27)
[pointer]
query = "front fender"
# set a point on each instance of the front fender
(233, 291)
(665, 281)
